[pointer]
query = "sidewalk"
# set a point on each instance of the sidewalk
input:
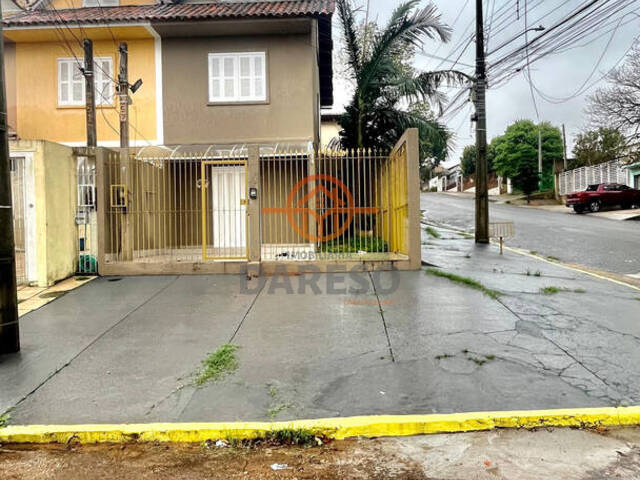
(535, 336)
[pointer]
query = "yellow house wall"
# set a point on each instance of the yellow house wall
(38, 113)
(62, 4)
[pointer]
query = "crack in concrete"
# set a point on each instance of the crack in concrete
(384, 322)
(94, 341)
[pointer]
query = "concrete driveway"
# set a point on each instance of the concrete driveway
(125, 350)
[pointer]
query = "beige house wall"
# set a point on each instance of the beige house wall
(291, 112)
(55, 182)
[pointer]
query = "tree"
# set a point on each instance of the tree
(390, 95)
(617, 105)
(468, 160)
(516, 154)
(597, 146)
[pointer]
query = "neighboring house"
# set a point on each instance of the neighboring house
(330, 130)
(633, 170)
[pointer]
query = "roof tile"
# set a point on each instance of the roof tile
(174, 12)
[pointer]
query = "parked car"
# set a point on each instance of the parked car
(603, 195)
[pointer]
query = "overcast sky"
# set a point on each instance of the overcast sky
(559, 75)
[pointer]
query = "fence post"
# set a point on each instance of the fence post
(253, 207)
(101, 201)
(413, 200)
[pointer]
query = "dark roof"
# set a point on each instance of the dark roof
(175, 12)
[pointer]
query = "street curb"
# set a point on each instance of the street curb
(334, 428)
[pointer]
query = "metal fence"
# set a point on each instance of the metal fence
(579, 179)
(18, 191)
(192, 208)
(86, 217)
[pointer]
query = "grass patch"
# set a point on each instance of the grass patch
(283, 437)
(466, 281)
(551, 258)
(358, 243)
(218, 364)
(533, 252)
(433, 232)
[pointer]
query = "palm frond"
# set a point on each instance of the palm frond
(350, 33)
(404, 28)
(424, 86)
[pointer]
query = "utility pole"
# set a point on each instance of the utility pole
(564, 146)
(90, 99)
(123, 98)
(9, 329)
(539, 157)
(482, 190)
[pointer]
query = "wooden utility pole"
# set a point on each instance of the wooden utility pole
(123, 99)
(482, 190)
(564, 146)
(539, 157)
(90, 98)
(9, 329)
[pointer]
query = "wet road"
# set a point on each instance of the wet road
(600, 243)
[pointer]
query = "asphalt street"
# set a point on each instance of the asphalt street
(604, 244)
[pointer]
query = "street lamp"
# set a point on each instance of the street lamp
(539, 28)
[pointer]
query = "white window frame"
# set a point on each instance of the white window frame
(253, 76)
(100, 3)
(99, 80)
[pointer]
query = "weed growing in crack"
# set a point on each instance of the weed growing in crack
(551, 258)
(443, 356)
(466, 281)
(556, 290)
(4, 419)
(433, 232)
(218, 364)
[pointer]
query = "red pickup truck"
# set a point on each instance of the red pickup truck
(603, 195)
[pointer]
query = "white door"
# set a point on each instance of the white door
(228, 200)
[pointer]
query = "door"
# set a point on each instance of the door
(18, 194)
(636, 182)
(225, 223)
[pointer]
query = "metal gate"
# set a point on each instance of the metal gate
(18, 191)
(86, 217)
(224, 213)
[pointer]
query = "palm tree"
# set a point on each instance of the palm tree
(389, 93)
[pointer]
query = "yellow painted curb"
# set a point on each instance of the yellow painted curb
(336, 428)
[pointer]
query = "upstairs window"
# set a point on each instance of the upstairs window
(237, 77)
(100, 3)
(71, 86)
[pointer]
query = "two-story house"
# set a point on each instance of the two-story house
(224, 133)
(221, 72)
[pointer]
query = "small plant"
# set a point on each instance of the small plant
(477, 361)
(490, 357)
(282, 437)
(537, 274)
(533, 252)
(551, 290)
(433, 232)
(468, 282)
(286, 436)
(4, 419)
(218, 364)
(551, 258)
